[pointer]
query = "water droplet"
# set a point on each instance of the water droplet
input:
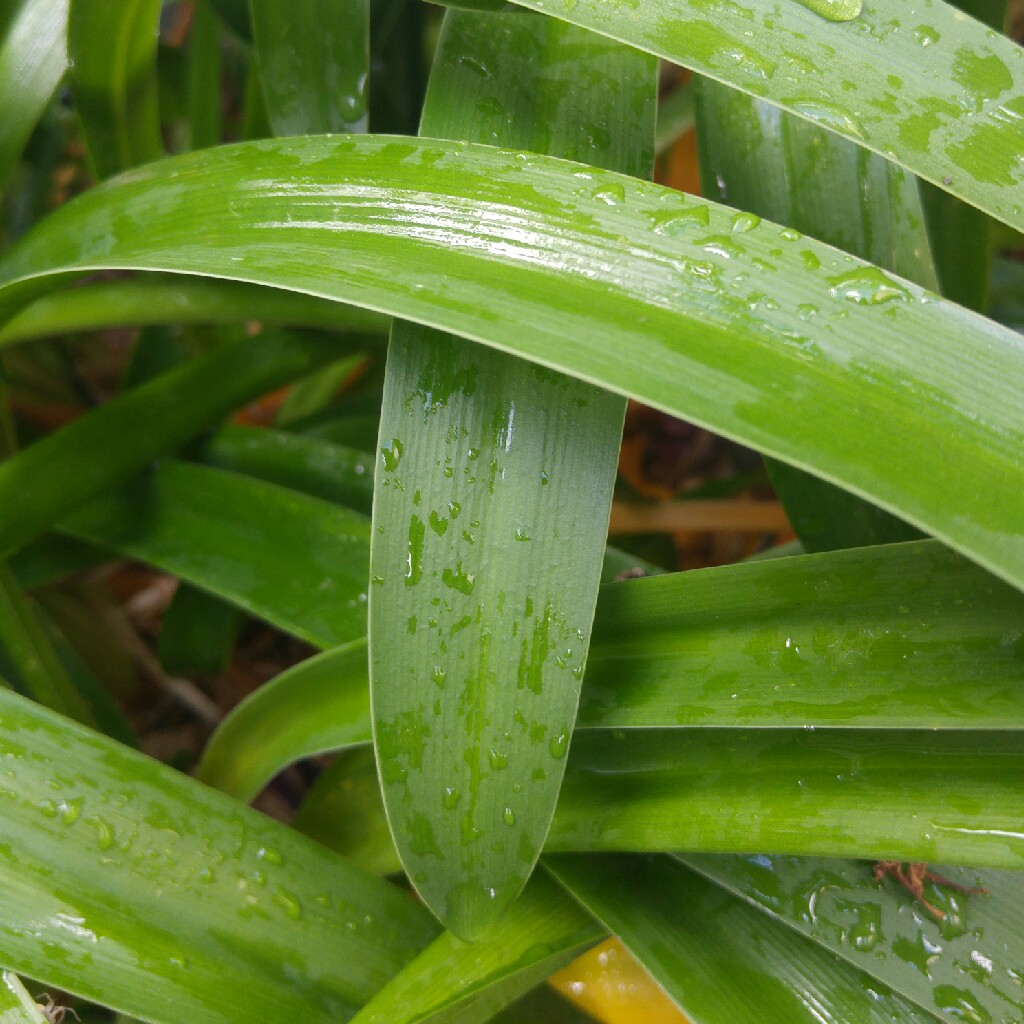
(508, 816)
(960, 1004)
(392, 455)
(611, 195)
(674, 222)
(830, 116)
(437, 676)
(521, 534)
(559, 744)
(48, 807)
(498, 760)
(744, 222)
(451, 798)
(834, 10)
(866, 286)
(459, 579)
(288, 902)
(925, 35)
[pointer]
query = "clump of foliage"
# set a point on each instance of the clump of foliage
(535, 748)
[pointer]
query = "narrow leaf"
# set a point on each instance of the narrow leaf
(799, 642)
(263, 734)
(791, 171)
(527, 240)
(481, 613)
(112, 49)
(719, 959)
(33, 57)
(304, 464)
(241, 539)
(965, 965)
(887, 795)
(165, 299)
(314, 64)
(926, 87)
(452, 982)
(105, 447)
(229, 913)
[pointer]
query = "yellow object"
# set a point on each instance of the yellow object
(611, 986)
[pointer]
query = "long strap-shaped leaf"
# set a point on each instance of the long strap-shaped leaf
(892, 794)
(130, 884)
(799, 642)
(966, 965)
(33, 56)
(778, 166)
(718, 958)
(113, 51)
(166, 299)
(48, 479)
(191, 521)
(925, 86)
(314, 64)
(777, 341)
(491, 505)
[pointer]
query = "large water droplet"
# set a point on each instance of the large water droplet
(866, 286)
(834, 10)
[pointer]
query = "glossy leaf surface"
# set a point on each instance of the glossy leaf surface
(321, 704)
(314, 64)
(926, 86)
(453, 982)
(33, 57)
(480, 610)
(965, 966)
(717, 957)
(48, 479)
(128, 883)
(239, 538)
(304, 464)
(783, 643)
(903, 636)
(168, 299)
(778, 166)
(892, 794)
(526, 240)
(112, 49)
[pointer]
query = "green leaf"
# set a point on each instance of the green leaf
(45, 481)
(298, 562)
(964, 966)
(304, 464)
(907, 636)
(197, 633)
(860, 395)
(128, 883)
(314, 63)
(797, 642)
(29, 657)
(204, 78)
(791, 171)
(892, 794)
(265, 733)
(16, 1005)
(926, 87)
(344, 811)
(480, 610)
(452, 982)
(33, 56)
(165, 299)
(719, 959)
(112, 51)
